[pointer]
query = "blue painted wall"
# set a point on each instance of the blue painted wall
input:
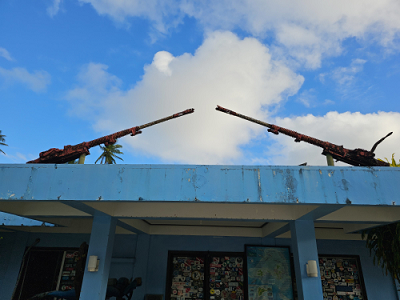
(12, 248)
(13, 245)
(269, 184)
(146, 256)
(378, 285)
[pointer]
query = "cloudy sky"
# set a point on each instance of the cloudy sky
(75, 70)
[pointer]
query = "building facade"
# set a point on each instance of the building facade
(140, 219)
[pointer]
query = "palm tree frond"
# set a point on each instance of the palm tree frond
(109, 153)
(383, 243)
(2, 142)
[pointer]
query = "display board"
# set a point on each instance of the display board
(67, 270)
(226, 279)
(186, 276)
(205, 275)
(341, 278)
(269, 273)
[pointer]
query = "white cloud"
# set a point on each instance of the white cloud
(36, 81)
(161, 61)
(308, 98)
(328, 102)
(54, 8)
(304, 31)
(4, 53)
(345, 75)
(352, 130)
(345, 79)
(164, 14)
(95, 87)
(14, 157)
(237, 74)
(21, 156)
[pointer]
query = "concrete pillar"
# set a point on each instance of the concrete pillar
(141, 265)
(397, 285)
(304, 247)
(94, 285)
(329, 160)
(13, 261)
(82, 159)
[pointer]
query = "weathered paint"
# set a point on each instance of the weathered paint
(249, 184)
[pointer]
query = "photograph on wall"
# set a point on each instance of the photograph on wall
(269, 275)
(341, 278)
(226, 280)
(186, 276)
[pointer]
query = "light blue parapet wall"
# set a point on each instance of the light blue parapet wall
(254, 184)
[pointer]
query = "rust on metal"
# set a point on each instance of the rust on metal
(356, 157)
(70, 153)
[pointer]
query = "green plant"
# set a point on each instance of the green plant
(383, 243)
(109, 152)
(393, 162)
(2, 140)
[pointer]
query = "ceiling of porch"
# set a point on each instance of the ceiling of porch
(213, 219)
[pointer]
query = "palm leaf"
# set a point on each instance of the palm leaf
(393, 162)
(384, 245)
(2, 140)
(109, 154)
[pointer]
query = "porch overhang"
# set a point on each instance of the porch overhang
(202, 200)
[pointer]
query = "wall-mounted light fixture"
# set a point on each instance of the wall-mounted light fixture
(93, 264)
(312, 270)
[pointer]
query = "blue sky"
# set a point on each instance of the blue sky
(72, 71)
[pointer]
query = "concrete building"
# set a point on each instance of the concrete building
(134, 216)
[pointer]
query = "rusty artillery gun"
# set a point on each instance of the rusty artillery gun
(70, 153)
(356, 157)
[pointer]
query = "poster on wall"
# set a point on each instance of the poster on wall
(269, 275)
(205, 276)
(341, 278)
(186, 276)
(226, 279)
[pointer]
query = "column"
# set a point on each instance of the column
(94, 285)
(141, 264)
(13, 264)
(304, 247)
(397, 285)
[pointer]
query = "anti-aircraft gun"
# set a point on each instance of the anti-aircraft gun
(356, 157)
(70, 153)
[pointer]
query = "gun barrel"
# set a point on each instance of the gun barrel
(233, 113)
(356, 157)
(276, 129)
(134, 130)
(185, 112)
(69, 153)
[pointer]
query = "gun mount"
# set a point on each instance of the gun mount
(70, 153)
(356, 157)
